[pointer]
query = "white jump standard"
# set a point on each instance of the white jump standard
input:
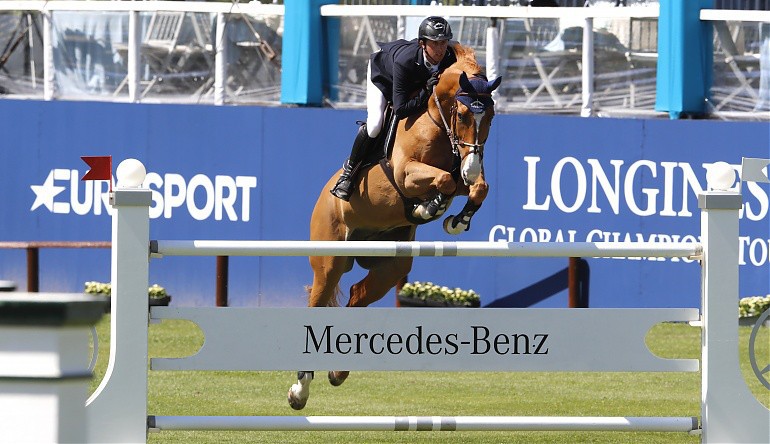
(466, 340)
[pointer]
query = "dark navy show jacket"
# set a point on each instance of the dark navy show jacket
(399, 70)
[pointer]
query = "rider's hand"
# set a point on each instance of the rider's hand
(431, 82)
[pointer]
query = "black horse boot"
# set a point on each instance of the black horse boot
(439, 202)
(346, 181)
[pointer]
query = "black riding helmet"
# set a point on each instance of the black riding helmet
(435, 28)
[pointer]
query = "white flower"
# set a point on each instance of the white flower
(92, 287)
(434, 292)
(753, 306)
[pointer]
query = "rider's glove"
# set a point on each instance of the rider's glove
(431, 82)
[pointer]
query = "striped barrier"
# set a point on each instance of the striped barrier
(423, 423)
(543, 340)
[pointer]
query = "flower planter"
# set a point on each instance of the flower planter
(156, 294)
(160, 301)
(405, 301)
(152, 302)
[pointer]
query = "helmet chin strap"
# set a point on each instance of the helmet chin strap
(428, 61)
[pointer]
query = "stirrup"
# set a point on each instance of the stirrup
(342, 190)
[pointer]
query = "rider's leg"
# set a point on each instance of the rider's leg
(375, 106)
(367, 134)
(361, 145)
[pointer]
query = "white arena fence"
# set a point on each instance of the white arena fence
(463, 340)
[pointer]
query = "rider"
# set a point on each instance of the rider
(395, 73)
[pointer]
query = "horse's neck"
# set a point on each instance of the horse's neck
(425, 138)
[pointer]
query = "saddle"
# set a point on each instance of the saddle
(384, 143)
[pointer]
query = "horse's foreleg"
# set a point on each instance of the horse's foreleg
(421, 179)
(462, 221)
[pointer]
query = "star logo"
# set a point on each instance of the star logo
(45, 193)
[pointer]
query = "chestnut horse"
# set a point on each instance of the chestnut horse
(437, 151)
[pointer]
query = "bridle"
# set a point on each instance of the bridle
(451, 130)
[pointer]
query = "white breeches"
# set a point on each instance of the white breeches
(375, 106)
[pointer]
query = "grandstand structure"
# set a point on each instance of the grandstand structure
(573, 57)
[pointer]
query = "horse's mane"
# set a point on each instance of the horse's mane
(466, 60)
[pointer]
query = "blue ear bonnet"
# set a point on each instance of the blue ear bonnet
(479, 98)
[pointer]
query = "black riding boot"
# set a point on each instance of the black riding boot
(346, 181)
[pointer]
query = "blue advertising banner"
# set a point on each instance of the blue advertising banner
(255, 173)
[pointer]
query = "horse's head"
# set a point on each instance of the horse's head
(471, 116)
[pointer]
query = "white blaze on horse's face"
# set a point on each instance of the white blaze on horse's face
(471, 168)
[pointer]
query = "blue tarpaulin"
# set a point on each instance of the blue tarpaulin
(685, 58)
(305, 60)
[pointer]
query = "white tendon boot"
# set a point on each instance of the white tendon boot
(299, 392)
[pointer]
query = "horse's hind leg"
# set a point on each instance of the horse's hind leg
(378, 282)
(327, 272)
(299, 392)
(370, 289)
(338, 377)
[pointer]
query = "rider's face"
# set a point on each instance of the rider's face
(435, 50)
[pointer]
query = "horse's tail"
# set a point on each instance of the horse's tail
(334, 301)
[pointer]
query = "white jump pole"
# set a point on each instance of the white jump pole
(424, 423)
(394, 249)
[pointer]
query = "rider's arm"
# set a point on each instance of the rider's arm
(403, 88)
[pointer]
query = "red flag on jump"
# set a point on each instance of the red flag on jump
(101, 167)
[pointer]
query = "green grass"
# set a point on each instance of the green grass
(432, 393)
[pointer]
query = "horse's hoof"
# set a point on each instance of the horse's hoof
(453, 228)
(295, 402)
(337, 378)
